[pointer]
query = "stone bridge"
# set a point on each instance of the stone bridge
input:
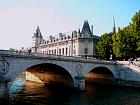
(65, 70)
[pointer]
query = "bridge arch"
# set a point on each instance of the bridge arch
(50, 73)
(100, 75)
(22, 65)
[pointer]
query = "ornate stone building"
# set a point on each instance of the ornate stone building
(75, 43)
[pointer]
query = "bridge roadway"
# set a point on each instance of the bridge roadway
(74, 69)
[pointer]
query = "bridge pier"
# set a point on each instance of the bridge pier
(4, 93)
(79, 82)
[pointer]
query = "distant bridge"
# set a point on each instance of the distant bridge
(70, 71)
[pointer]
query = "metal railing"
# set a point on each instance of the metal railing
(51, 56)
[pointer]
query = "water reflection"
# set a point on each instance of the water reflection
(33, 93)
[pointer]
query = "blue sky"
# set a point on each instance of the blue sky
(19, 18)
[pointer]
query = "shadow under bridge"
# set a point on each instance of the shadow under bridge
(50, 75)
(100, 75)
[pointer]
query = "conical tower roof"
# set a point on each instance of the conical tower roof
(86, 28)
(38, 33)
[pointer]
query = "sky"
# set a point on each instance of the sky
(20, 18)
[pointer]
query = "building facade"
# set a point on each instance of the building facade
(75, 43)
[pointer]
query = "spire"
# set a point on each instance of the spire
(114, 27)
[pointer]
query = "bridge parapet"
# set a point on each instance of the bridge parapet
(21, 54)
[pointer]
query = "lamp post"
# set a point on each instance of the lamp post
(110, 54)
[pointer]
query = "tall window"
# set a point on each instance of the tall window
(59, 51)
(63, 51)
(55, 51)
(66, 51)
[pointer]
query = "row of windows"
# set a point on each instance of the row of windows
(63, 51)
(62, 38)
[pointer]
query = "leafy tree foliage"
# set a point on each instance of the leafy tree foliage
(104, 46)
(125, 43)
(135, 30)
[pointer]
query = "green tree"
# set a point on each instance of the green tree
(126, 43)
(135, 30)
(123, 44)
(104, 46)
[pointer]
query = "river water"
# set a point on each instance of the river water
(31, 93)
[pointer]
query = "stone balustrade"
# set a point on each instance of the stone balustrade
(52, 56)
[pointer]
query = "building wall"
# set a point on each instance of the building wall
(79, 43)
(61, 47)
(95, 41)
(68, 47)
(86, 44)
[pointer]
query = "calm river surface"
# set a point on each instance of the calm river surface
(36, 94)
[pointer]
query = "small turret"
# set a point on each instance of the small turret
(92, 29)
(79, 33)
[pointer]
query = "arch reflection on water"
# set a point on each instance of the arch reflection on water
(100, 75)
